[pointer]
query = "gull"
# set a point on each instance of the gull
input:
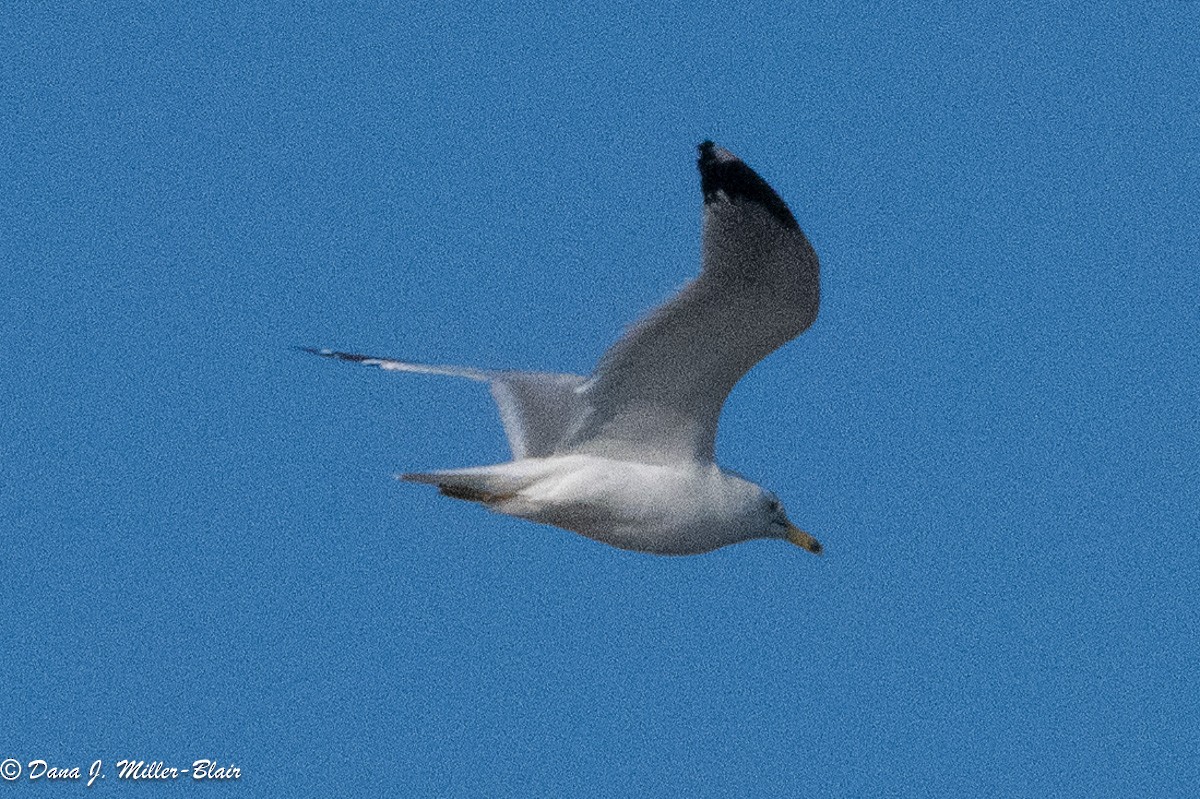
(625, 456)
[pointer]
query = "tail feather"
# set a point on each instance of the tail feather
(473, 485)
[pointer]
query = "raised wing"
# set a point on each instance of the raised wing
(657, 393)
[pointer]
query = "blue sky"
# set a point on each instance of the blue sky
(992, 426)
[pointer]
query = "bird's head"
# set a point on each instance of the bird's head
(779, 526)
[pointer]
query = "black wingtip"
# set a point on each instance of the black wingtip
(336, 355)
(724, 177)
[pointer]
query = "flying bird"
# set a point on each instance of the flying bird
(625, 456)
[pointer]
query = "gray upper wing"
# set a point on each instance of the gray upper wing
(656, 394)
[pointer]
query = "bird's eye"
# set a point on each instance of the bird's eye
(774, 506)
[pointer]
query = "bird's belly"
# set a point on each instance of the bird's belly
(643, 507)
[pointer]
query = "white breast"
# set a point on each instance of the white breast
(675, 509)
